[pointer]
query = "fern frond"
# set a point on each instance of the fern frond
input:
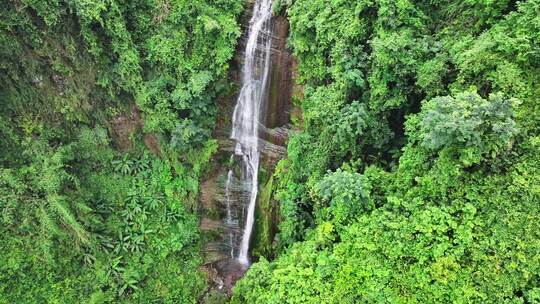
(66, 216)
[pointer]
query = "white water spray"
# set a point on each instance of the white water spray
(229, 221)
(250, 107)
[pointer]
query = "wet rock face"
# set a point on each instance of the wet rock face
(278, 117)
(279, 99)
(224, 274)
(222, 270)
(278, 106)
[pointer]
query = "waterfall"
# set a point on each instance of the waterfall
(229, 220)
(249, 110)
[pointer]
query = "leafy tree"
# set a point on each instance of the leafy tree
(418, 184)
(341, 197)
(81, 220)
(477, 127)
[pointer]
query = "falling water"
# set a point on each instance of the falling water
(249, 108)
(229, 220)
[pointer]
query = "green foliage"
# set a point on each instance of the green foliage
(166, 56)
(100, 231)
(187, 134)
(465, 239)
(341, 197)
(80, 221)
(477, 127)
(415, 178)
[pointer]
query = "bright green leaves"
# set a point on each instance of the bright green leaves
(475, 127)
(431, 76)
(503, 58)
(44, 206)
(415, 177)
(50, 10)
(396, 56)
(90, 10)
(104, 52)
(87, 216)
(326, 37)
(427, 254)
(393, 14)
(341, 197)
(187, 52)
(398, 47)
(80, 221)
(350, 125)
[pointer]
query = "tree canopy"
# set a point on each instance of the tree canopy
(415, 175)
(412, 174)
(88, 89)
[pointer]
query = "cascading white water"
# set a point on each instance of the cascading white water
(249, 108)
(229, 221)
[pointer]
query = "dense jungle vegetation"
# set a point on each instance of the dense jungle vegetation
(416, 175)
(87, 213)
(413, 175)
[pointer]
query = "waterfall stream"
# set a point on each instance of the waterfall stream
(249, 110)
(259, 131)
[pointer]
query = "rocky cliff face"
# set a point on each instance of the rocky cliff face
(279, 99)
(277, 131)
(221, 270)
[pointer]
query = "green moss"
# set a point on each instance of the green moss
(264, 221)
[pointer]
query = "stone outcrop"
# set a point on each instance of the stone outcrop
(223, 271)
